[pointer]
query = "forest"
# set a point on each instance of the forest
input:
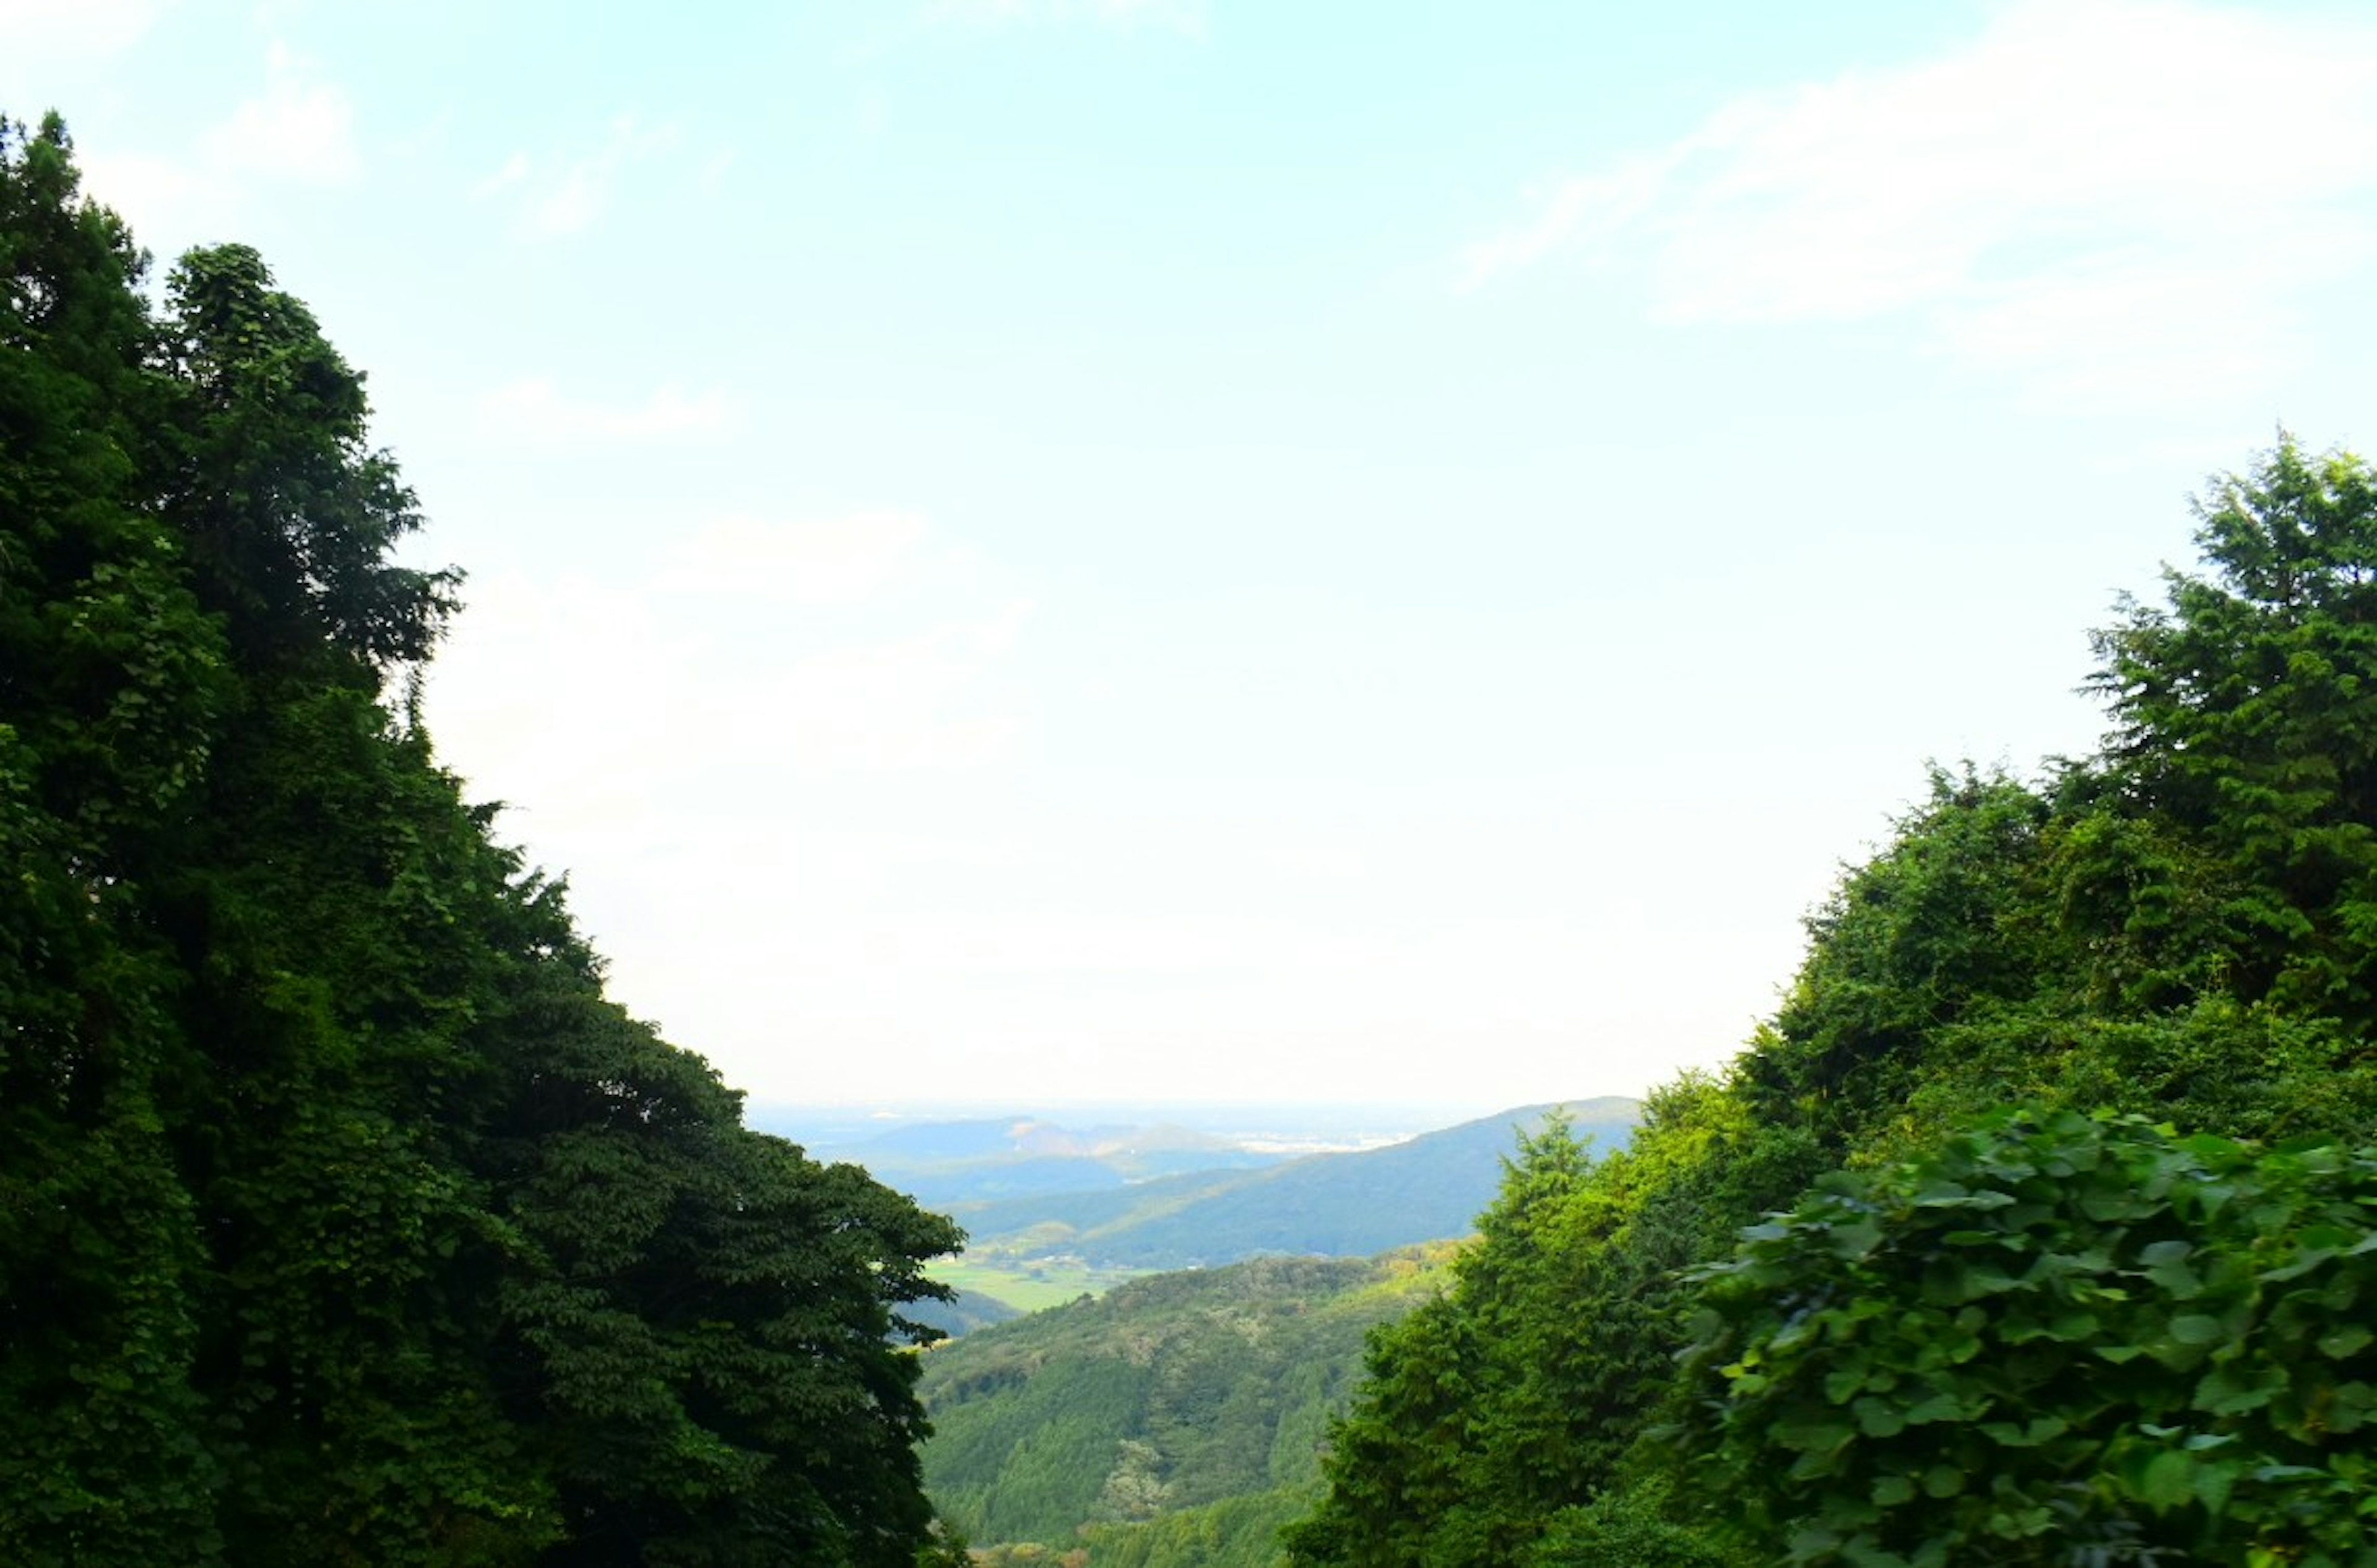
(343, 1218)
(1176, 1418)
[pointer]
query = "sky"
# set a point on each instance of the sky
(1033, 551)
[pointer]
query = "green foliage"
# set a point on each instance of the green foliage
(2052, 1336)
(1938, 929)
(2183, 926)
(1233, 1532)
(2245, 721)
(1178, 1419)
(288, 516)
(1632, 1528)
(343, 1220)
(1486, 1412)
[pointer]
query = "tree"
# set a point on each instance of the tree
(110, 683)
(343, 1220)
(288, 514)
(1489, 1412)
(704, 1330)
(2183, 926)
(2246, 722)
(1939, 931)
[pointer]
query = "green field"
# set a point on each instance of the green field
(1030, 1286)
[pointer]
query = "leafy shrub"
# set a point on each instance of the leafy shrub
(2057, 1339)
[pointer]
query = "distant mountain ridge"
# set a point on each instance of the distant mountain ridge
(1178, 1421)
(1353, 1205)
(942, 1164)
(1012, 1136)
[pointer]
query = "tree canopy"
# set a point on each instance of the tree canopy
(1989, 1335)
(343, 1218)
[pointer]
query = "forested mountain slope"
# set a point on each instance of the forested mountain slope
(1182, 1412)
(1351, 1205)
(2013, 1335)
(343, 1220)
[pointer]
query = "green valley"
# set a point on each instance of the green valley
(1027, 1286)
(1176, 1410)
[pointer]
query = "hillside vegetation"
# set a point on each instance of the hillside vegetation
(1178, 1413)
(2060, 1242)
(343, 1220)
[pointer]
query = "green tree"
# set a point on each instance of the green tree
(1517, 1394)
(2245, 721)
(343, 1220)
(1940, 931)
(2180, 925)
(110, 683)
(288, 514)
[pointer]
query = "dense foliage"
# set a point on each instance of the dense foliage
(2057, 1336)
(343, 1220)
(1177, 1419)
(2050, 1340)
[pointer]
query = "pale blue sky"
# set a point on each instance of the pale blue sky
(1044, 550)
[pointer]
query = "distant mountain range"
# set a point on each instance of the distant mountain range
(1177, 1420)
(1346, 1205)
(1164, 1197)
(942, 1164)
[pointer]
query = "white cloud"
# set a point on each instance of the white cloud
(1610, 202)
(298, 129)
(534, 408)
(901, 704)
(570, 195)
(2106, 197)
(515, 169)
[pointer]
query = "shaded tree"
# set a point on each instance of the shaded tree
(343, 1220)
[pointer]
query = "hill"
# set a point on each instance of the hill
(1337, 1204)
(1193, 1400)
(964, 1311)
